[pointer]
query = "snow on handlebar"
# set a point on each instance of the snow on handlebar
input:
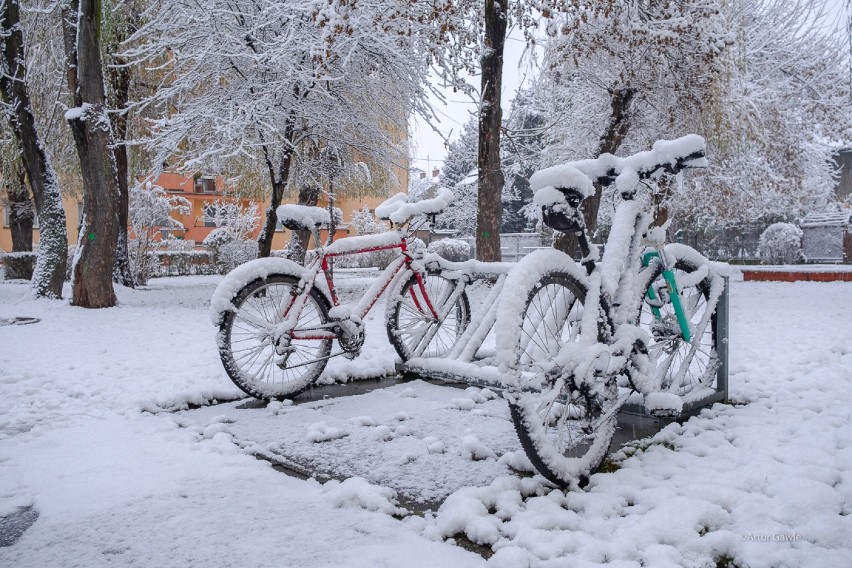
(399, 211)
(560, 185)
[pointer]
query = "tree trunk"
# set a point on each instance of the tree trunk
(120, 81)
(299, 240)
(616, 131)
(49, 273)
(610, 142)
(91, 279)
(491, 180)
(264, 240)
(279, 178)
(20, 214)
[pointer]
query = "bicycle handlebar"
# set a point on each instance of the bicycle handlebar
(680, 164)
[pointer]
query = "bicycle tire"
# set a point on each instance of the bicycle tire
(682, 367)
(246, 349)
(406, 318)
(565, 425)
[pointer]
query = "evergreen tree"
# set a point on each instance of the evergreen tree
(522, 143)
(461, 155)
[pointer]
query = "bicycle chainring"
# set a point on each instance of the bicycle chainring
(351, 337)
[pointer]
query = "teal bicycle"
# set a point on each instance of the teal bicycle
(579, 340)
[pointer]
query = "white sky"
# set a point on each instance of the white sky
(428, 147)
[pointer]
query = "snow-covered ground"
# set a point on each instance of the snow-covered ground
(100, 436)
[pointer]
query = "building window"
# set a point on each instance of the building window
(7, 220)
(205, 185)
(209, 216)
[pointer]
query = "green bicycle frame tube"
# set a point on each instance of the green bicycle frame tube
(669, 277)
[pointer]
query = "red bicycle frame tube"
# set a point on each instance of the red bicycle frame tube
(388, 278)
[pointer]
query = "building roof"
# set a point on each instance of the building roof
(837, 219)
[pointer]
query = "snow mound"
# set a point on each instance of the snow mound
(663, 403)
(358, 493)
(473, 449)
(363, 421)
(322, 432)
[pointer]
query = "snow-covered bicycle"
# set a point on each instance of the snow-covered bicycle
(578, 340)
(277, 319)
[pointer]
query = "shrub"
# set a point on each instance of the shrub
(143, 262)
(183, 263)
(173, 244)
(781, 243)
(150, 209)
(455, 250)
(19, 265)
(228, 250)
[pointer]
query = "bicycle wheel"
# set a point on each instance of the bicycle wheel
(683, 367)
(410, 322)
(247, 343)
(565, 418)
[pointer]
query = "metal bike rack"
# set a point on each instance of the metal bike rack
(720, 393)
(463, 353)
(460, 366)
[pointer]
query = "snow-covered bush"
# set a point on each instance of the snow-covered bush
(781, 243)
(150, 210)
(227, 250)
(18, 265)
(183, 263)
(173, 244)
(230, 243)
(456, 250)
(416, 245)
(365, 223)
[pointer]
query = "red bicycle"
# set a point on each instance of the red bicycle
(278, 320)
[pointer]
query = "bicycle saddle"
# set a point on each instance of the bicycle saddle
(302, 217)
(399, 211)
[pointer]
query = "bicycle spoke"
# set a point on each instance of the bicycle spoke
(251, 333)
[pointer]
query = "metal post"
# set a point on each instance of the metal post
(722, 328)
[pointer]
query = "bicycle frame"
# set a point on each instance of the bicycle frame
(674, 296)
(401, 265)
(639, 222)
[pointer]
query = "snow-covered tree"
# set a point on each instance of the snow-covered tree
(781, 243)
(49, 272)
(620, 72)
(150, 210)
(522, 142)
(253, 81)
(761, 80)
(460, 215)
(230, 242)
(461, 155)
(785, 98)
(91, 277)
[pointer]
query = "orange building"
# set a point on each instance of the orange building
(201, 192)
(73, 211)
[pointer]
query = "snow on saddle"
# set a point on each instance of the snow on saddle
(302, 217)
(399, 211)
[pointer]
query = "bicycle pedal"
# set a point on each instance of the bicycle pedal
(663, 404)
